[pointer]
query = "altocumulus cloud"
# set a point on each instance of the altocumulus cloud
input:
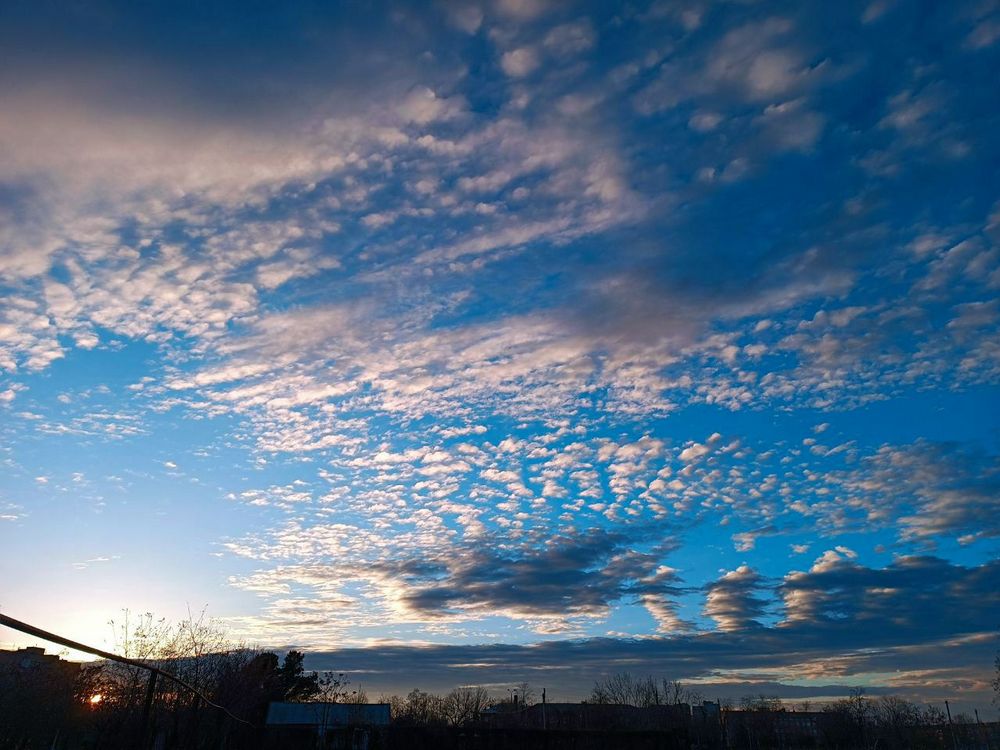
(494, 337)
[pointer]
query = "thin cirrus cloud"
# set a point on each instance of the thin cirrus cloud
(513, 322)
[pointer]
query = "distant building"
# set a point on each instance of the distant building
(773, 728)
(34, 660)
(709, 712)
(32, 669)
(36, 696)
(351, 726)
(591, 716)
(323, 716)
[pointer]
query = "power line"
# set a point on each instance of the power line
(24, 627)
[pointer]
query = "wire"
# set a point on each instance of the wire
(24, 627)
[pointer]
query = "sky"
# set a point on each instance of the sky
(472, 343)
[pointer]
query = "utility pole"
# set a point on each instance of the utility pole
(154, 672)
(544, 726)
(146, 708)
(951, 727)
(983, 736)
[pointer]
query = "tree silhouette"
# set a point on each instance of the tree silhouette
(293, 681)
(996, 682)
(624, 690)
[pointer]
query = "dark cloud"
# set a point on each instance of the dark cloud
(732, 601)
(895, 603)
(849, 621)
(567, 576)
(217, 62)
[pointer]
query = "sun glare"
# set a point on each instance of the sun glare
(95, 699)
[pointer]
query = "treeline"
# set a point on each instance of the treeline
(461, 706)
(893, 723)
(102, 704)
(623, 689)
(761, 722)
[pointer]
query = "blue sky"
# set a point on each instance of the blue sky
(472, 343)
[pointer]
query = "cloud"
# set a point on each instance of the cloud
(731, 600)
(519, 62)
(422, 106)
(458, 333)
(838, 593)
(120, 154)
(985, 34)
(791, 127)
(522, 9)
(697, 450)
(755, 62)
(744, 541)
(943, 490)
(823, 653)
(570, 38)
(567, 577)
(468, 18)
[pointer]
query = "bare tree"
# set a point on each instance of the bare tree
(646, 692)
(996, 682)
(933, 716)
(106, 699)
(675, 693)
(624, 690)
(760, 702)
(619, 690)
(334, 688)
(418, 708)
(527, 693)
(199, 651)
(465, 705)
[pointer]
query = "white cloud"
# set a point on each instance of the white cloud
(522, 9)
(423, 106)
(468, 18)
(519, 62)
(705, 121)
(570, 38)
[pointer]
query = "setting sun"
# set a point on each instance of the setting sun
(96, 699)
